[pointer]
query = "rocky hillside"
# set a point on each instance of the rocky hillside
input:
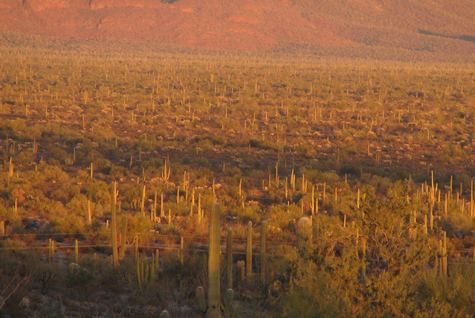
(437, 27)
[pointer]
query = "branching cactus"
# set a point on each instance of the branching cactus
(166, 171)
(145, 272)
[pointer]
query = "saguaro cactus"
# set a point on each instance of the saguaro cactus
(363, 258)
(431, 217)
(200, 299)
(2, 228)
(76, 251)
(472, 200)
(136, 247)
(249, 253)
(89, 212)
(444, 262)
(139, 267)
(123, 238)
(156, 259)
(115, 249)
(240, 188)
(229, 259)
(11, 169)
(166, 170)
(358, 204)
(162, 210)
(425, 226)
(153, 215)
(51, 249)
(263, 258)
(142, 203)
(313, 200)
(182, 250)
(214, 296)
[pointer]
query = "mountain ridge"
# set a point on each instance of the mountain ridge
(430, 26)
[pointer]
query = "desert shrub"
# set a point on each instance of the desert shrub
(78, 276)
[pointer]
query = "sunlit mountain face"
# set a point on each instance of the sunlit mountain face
(350, 27)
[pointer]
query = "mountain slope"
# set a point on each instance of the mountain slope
(433, 26)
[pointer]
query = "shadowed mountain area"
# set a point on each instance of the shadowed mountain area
(335, 27)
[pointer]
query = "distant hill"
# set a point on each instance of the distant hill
(339, 27)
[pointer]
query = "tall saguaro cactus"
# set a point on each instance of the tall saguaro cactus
(123, 238)
(2, 228)
(229, 259)
(11, 169)
(182, 250)
(142, 202)
(200, 299)
(51, 250)
(162, 209)
(89, 212)
(263, 258)
(472, 199)
(76, 251)
(443, 253)
(214, 296)
(115, 249)
(249, 253)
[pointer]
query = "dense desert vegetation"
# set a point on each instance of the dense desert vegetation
(176, 185)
